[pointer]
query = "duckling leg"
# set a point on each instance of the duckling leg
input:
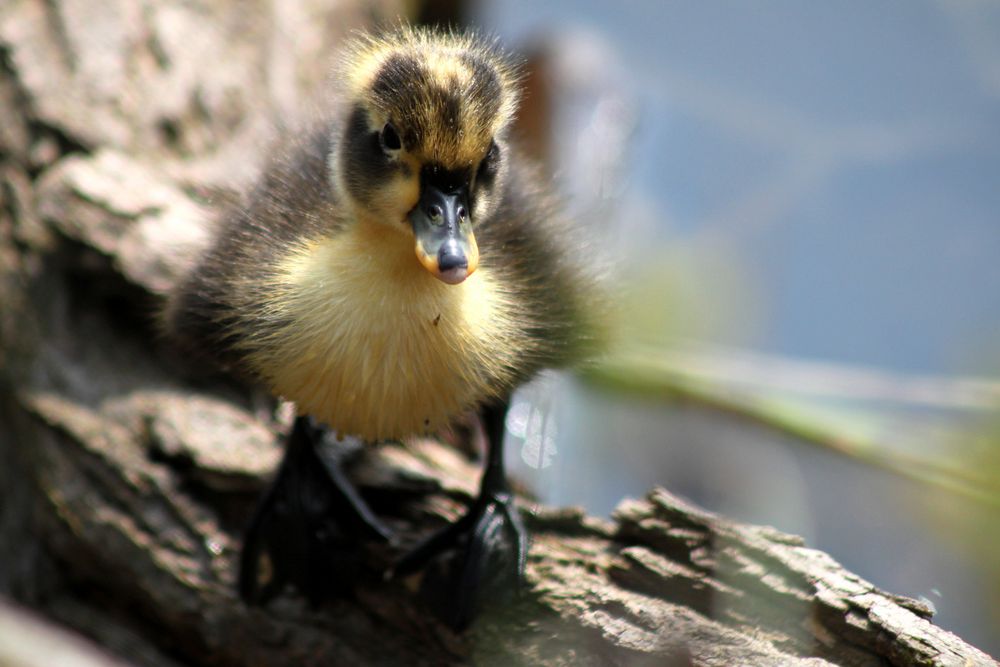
(305, 530)
(482, 555)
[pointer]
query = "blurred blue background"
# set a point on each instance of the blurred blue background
(847, 153)
(818, 183)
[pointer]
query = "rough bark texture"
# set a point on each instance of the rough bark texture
(125, 479)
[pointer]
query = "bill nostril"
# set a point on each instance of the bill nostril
(434, 212)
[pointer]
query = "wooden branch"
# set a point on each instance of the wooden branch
(126, 481)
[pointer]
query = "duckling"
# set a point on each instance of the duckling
(395, 266)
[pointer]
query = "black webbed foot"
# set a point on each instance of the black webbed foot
(481, 556)
(307, 525)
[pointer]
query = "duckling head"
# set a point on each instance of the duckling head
(423, 149)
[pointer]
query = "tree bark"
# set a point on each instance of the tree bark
(127, 476)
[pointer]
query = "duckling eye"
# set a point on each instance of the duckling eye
(488, 167)
(493, 154)
(389, 138)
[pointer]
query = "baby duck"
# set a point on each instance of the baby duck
(393, 268)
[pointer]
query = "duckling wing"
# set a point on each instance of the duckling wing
(293, 201)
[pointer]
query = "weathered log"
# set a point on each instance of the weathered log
(126, 478)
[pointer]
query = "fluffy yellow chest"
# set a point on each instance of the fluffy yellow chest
(373, 345)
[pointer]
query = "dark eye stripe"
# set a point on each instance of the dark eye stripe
(390, 138)
(487, 171)
(364, 163)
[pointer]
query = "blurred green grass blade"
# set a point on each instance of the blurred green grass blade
(928, 442)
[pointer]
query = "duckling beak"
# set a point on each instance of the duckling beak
(442, 226)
